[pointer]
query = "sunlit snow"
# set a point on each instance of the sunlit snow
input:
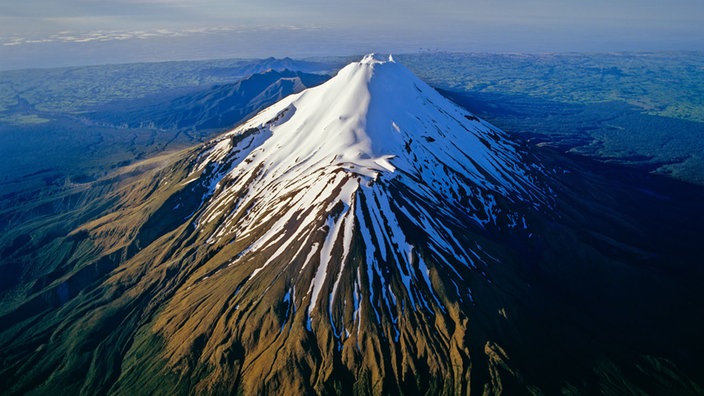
(329, 155)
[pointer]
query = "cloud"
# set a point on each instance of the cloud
(446, 24)
(140, 34)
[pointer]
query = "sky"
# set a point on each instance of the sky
(44, 33)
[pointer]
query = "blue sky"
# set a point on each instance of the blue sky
(93, 31)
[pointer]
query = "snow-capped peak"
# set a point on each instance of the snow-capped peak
(376, 116)
(373, 155)
(376, 58)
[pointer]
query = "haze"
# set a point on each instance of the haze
(45, 33)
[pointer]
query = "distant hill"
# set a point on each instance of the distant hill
(218, 107)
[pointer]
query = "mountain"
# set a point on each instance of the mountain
(217, 107)
(365, 236)
(263, 65)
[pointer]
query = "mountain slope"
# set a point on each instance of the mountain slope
(366, 236)
(337, 204)
(342, 203)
